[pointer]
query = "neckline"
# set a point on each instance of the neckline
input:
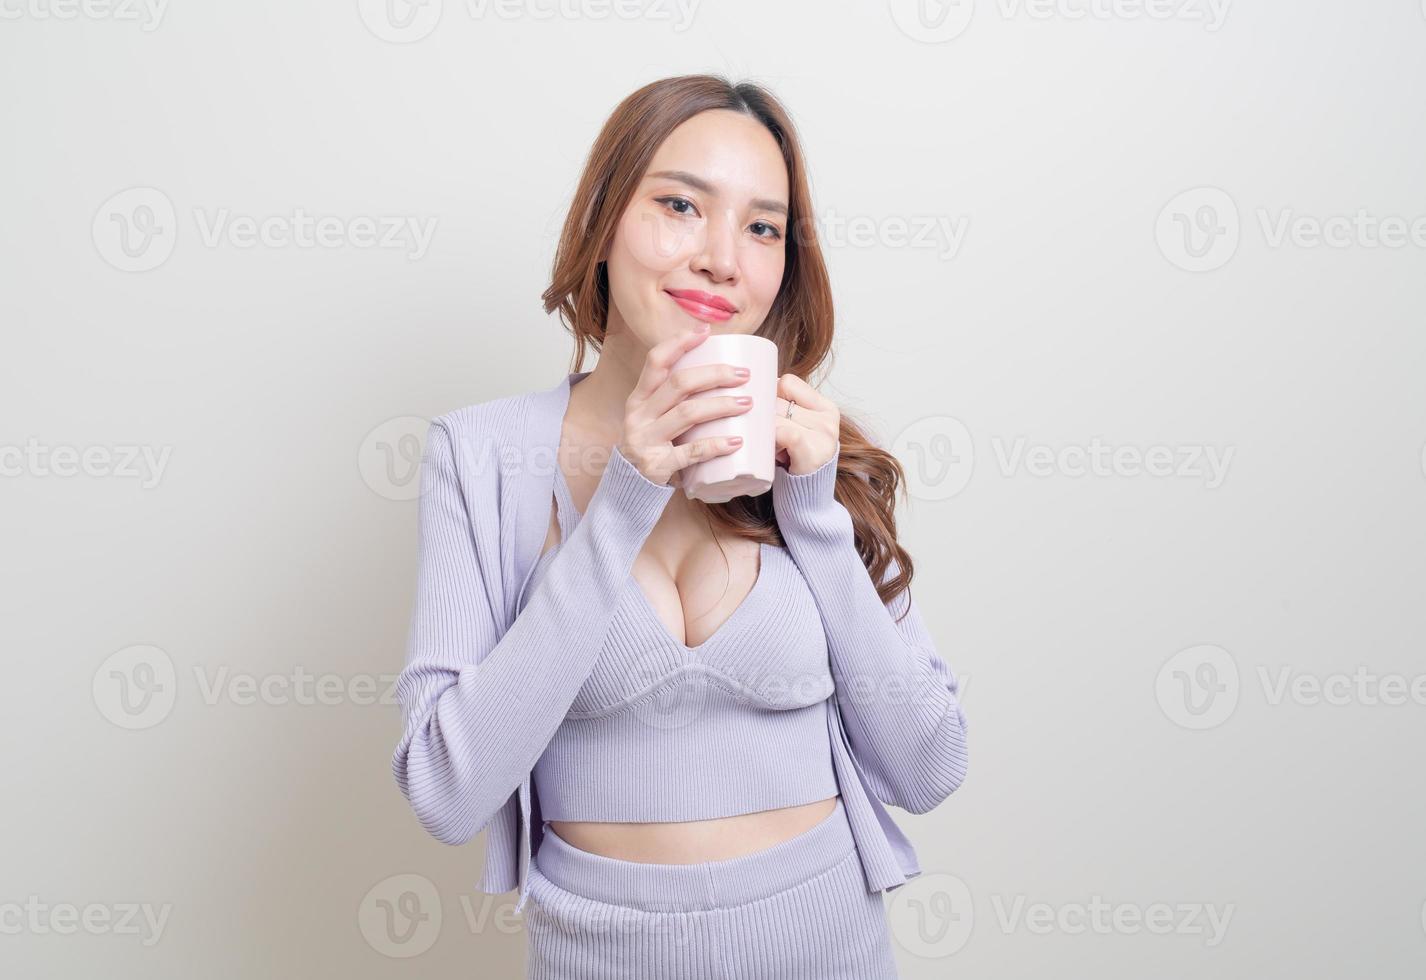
(739, 612)
(569, 515)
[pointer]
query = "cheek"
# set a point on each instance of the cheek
(655, 243)
(764, 276)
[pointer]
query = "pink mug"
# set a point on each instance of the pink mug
(748, 470)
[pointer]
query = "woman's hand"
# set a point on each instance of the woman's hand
(659, 409)
(812, 435)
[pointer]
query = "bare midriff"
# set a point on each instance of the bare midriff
(694, 841)
(699, 579)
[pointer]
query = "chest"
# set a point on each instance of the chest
(713, 578)
(764, 643)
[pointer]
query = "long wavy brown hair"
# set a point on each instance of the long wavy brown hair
(800, 321)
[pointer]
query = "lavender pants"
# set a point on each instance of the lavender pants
(798, 910)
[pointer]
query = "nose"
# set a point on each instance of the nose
(717, 255)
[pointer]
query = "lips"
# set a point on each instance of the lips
(704, 306)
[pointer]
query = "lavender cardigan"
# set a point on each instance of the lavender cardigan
(483, 690)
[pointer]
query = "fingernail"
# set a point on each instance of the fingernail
(736, 440)
(741, 372)
(744, 400)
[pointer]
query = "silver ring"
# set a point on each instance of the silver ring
(789, 409)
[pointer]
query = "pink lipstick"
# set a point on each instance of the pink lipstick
(703, 306)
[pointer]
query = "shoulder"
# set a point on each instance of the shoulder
(498, 421)
(480, 435)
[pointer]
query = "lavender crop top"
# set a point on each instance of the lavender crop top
(661, 731)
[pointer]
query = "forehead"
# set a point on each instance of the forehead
(732, 151)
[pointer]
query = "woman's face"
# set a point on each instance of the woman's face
(709, 217)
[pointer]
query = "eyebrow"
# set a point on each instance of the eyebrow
(698, 183)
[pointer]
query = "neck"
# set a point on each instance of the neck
(596, 403)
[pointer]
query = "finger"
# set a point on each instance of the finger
(659, 362)
(680, 384)
(797, 390)
(797, 416)
(700, 449)
(693, 411)
(788, 434)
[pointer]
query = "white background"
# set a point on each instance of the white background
(1088, 299)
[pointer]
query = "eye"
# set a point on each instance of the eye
(775, 234)
(669, 202)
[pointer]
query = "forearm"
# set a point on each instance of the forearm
(479, 708)
(898, 696)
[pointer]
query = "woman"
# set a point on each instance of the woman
(689, 715)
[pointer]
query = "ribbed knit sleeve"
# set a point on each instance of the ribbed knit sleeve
(898, 697)
(479, 708)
